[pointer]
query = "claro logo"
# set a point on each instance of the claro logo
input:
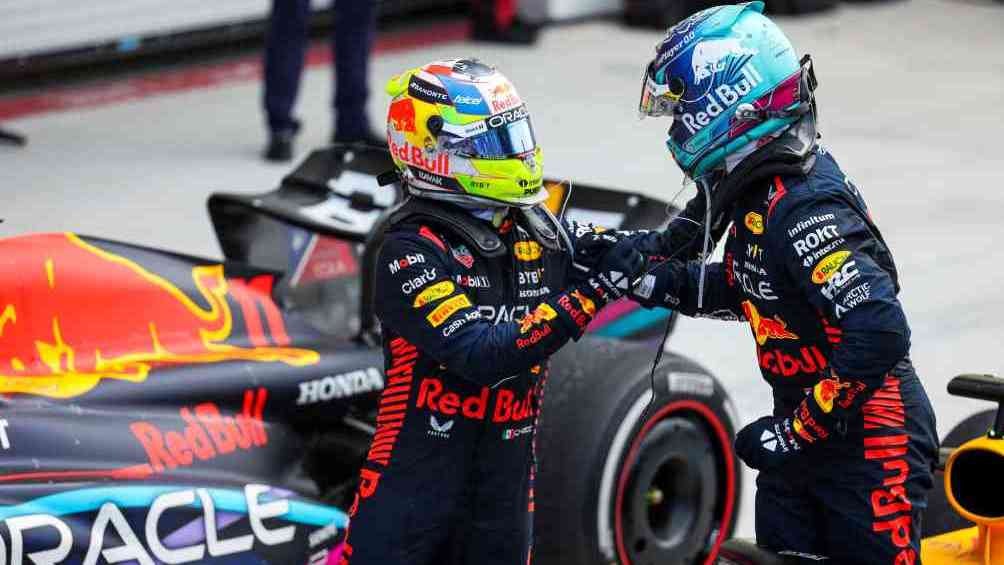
(207, 434)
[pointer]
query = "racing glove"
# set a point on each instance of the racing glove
(589, 249)
(613, 275)
(768, 443)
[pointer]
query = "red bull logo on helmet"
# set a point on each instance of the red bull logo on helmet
(74, 314)
(721, 97)
(766, 328)
(716, 55)
(402, 115)
(416, 156)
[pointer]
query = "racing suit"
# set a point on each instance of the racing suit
(467, 331)
(846, 458)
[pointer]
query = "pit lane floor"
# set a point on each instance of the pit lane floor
(911, 104)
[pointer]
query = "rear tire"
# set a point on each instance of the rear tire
(622, 481)
(940, 517)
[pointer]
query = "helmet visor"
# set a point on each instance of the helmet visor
(503, 136)
(658, 99)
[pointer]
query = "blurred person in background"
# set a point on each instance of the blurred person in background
(846, 458)
(475, 289)
(285, 48)
(508, 21)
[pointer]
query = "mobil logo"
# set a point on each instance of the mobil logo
(507, 406)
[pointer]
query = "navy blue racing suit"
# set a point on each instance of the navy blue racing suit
(853, 429)
(449, 475)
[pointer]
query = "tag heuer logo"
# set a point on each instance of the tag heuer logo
(769, 441)
(440, 430)
(463, 256)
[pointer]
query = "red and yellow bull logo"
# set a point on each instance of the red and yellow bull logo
(74, 314)
(402, 115)
(766, 328)
(826, 391)
(540, 314)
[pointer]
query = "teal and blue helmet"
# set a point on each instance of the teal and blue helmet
(727, 76)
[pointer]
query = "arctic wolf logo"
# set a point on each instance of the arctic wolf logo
(710, 57)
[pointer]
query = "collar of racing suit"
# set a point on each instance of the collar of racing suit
(792, 153)
(483, 236)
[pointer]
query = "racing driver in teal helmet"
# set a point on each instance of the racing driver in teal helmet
(845, 458)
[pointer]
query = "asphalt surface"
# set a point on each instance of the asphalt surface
(912, 104)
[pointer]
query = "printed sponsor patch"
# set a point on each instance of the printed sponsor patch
(540, 314)
(754, 222)
(463, 255)
(447, 309)
(813, 239)
(434, 293)
(826, 391)
(402, 115)
(840, 278)
(588, 306)
(828, 266)
(809, 222)
(405, 262)
(527, 250)
(766, 328)
(646, 287)
(428, 92)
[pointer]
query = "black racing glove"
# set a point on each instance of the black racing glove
(589, 249)
(660, 285)
(614, 273)
(768, 443)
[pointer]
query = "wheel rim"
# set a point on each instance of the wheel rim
(671, 498)
(666, 507)
(660, 499)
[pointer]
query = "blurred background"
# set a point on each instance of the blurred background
(133, 112)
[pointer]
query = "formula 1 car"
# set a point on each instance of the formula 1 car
(963, 523)
(157, 407)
